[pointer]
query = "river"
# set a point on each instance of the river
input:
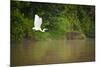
(53, 51)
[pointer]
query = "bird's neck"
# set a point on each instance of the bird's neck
(43, 30)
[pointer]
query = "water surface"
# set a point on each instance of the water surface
(53, 51)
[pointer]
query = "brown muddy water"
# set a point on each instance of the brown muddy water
(53, 51)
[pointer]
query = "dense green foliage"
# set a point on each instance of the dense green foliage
(58, 18)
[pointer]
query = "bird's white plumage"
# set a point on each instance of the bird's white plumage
(38, 23)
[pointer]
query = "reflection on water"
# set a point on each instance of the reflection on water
(53, 51)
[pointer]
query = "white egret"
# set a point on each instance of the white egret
(38, 23)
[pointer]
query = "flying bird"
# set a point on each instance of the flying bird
(38, 23)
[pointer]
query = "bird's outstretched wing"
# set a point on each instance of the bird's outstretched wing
(40, 22)
(37, 21)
